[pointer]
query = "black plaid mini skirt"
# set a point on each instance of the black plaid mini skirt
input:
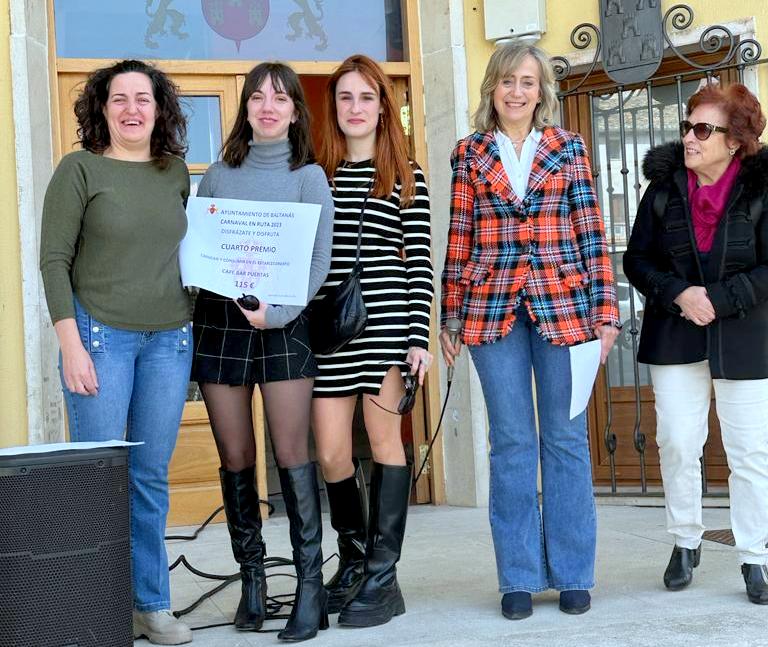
(228, 350)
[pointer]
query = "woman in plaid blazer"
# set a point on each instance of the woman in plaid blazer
(527, 274)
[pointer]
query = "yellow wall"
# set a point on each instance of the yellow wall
(564, 15)
(13, 392)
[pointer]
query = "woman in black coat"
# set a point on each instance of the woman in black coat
(699, 253)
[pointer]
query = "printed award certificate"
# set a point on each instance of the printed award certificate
(241, 246)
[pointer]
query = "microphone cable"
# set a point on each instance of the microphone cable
(274, 602)
(428, 453)
(453, 325)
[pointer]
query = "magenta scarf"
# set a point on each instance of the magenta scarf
(708, 204)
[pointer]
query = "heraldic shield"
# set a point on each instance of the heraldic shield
(632, 44)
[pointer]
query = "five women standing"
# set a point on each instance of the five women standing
(527, 275)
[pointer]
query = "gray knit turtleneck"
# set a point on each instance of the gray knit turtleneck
(265, 174)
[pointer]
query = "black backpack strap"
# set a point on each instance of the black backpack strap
(660, 202)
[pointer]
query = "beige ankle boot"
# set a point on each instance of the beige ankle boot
(160, 628)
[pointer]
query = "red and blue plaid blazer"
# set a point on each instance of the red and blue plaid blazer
(550, 244)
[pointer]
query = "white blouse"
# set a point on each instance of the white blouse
(518, 170)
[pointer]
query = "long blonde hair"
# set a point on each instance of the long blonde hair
(503, 62)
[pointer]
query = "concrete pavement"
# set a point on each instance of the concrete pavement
(448, 577)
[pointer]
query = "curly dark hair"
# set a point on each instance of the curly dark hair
(235, 148)
(746, 121)
(170, 132)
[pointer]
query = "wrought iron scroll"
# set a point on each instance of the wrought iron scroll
(580, 39)
(712, 39)
(739, 53)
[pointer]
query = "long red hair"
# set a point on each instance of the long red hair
(391, 153)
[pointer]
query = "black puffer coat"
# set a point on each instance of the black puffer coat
(661, 261)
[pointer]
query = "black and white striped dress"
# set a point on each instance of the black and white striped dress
(396, 280)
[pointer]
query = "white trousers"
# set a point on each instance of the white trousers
(682, 407)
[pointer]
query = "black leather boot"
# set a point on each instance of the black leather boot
(756, 579)
(348, 501)
(679, 573)
(302, 504)
(379, 597)
(241, 505)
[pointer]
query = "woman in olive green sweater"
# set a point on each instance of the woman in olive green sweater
(113, 219)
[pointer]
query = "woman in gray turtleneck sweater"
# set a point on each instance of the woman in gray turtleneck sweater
(266, 157)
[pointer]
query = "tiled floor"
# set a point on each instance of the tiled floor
(448, 577)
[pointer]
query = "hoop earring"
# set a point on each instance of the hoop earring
(732, 151)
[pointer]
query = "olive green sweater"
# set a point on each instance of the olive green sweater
(110, 235)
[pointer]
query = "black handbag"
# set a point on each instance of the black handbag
(340, 316)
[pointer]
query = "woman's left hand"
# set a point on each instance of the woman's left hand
(420, 360)
(257, 318)
(607, 335)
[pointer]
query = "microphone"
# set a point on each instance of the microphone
(453, 326)
(248, 302)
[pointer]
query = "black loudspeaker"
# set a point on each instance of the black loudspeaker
(65, 549)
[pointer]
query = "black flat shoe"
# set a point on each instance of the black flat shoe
(679, 573)
(516, 605)
(575, 602)
(756, 579)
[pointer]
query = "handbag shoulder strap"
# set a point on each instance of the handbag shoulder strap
(362, 217)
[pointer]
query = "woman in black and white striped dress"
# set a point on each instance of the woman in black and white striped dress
(364, 153)
(397, 292)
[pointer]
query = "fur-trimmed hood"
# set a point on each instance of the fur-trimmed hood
(661, 163)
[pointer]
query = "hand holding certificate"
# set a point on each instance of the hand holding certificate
(236, 247)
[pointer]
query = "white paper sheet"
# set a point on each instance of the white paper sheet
(60, 447)
(585, 360)
(235, 247)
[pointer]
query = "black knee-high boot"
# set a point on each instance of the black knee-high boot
(348, 501)
(379, 597)
(241, 504)
(302, 504)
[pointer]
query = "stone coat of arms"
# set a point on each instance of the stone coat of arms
(632, 41)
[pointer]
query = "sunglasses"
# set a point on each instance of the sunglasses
(701, 130)
(408, 401)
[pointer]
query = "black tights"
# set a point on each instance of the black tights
(287, 405)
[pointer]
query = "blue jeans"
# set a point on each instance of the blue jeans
(143, 378)
(560, 552)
